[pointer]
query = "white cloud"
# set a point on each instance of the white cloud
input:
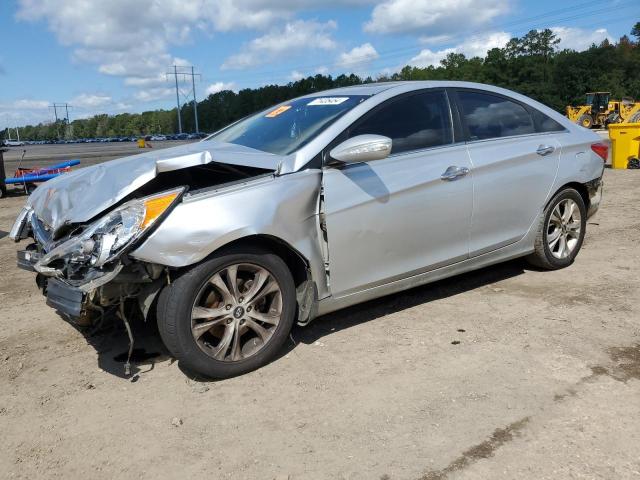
(24, 111)
(435, 39)
(294, 38)
(476, 46)
(358, 56)
(296, 75)
(219, 87)
(428, 57)
(433, 18)
(133, 40)
(579, 38)
(26, 104)
(153, 94)
(90, 101)
(150, 81)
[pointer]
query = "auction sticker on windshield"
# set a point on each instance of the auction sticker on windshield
(328, 101)
(278, 111)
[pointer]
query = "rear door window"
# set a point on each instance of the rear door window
(413, 122)
(492, 116)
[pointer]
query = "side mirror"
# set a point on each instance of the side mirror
(362, 148)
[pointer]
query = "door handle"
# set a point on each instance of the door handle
(545, 150)
(454, 172)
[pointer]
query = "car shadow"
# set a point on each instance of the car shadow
(362, 175)
(15, 191)
(365, 312)
(3, 234)
(111, 342)
(374, 309)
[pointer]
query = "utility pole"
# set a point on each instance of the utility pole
(175, 73)
(189, 96)
(55, 107)
(195, 104)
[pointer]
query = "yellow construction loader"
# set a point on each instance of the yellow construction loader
(600, 110)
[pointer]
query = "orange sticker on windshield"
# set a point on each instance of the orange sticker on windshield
(278, 111)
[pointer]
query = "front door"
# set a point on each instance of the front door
(389, 219)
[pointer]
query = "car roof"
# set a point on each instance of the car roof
(364, 89)
(378, 87)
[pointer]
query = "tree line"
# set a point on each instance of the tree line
(532, 65)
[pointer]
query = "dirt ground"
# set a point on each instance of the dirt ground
(504, 373)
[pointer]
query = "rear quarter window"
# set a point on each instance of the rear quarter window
(545, 124)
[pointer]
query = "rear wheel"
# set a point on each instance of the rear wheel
(635, 118)
(561, 231)
(586, 121)
(230, 314)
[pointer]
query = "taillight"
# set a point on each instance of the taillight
(601, 149)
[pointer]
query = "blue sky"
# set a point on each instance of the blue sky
(111, 56)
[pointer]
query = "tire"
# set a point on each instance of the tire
(635, 118)
(547, 251)
(585, 121)
(203, 349)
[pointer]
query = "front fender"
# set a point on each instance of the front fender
(284, 207)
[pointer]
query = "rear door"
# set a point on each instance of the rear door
(514, 166)
(392, 218)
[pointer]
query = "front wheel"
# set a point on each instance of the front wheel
(228, 315)
(561, 231)
(586, 121)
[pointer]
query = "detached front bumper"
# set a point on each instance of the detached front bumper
(65, 298)
(61, 296)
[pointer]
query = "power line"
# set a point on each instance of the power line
(402, 51)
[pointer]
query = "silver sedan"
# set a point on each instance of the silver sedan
(310, 206)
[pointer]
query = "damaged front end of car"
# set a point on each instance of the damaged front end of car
(85, 225)
(86, 270)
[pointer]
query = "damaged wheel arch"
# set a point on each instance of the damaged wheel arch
(298, 265)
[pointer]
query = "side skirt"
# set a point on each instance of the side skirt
(518, 249)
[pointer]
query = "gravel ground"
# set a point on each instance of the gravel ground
(503, 373)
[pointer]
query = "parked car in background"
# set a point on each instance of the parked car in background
(14, 143)
(311, 206)
(158, 138)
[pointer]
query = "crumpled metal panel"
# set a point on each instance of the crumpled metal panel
(80, 195)
(284, 207)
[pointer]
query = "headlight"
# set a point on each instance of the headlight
(104, 239)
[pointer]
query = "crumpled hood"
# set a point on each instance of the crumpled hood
(82, 194)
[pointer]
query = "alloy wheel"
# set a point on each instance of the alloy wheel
(563, 228)
(236, 312)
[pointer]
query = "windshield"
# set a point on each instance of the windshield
(284, 129)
